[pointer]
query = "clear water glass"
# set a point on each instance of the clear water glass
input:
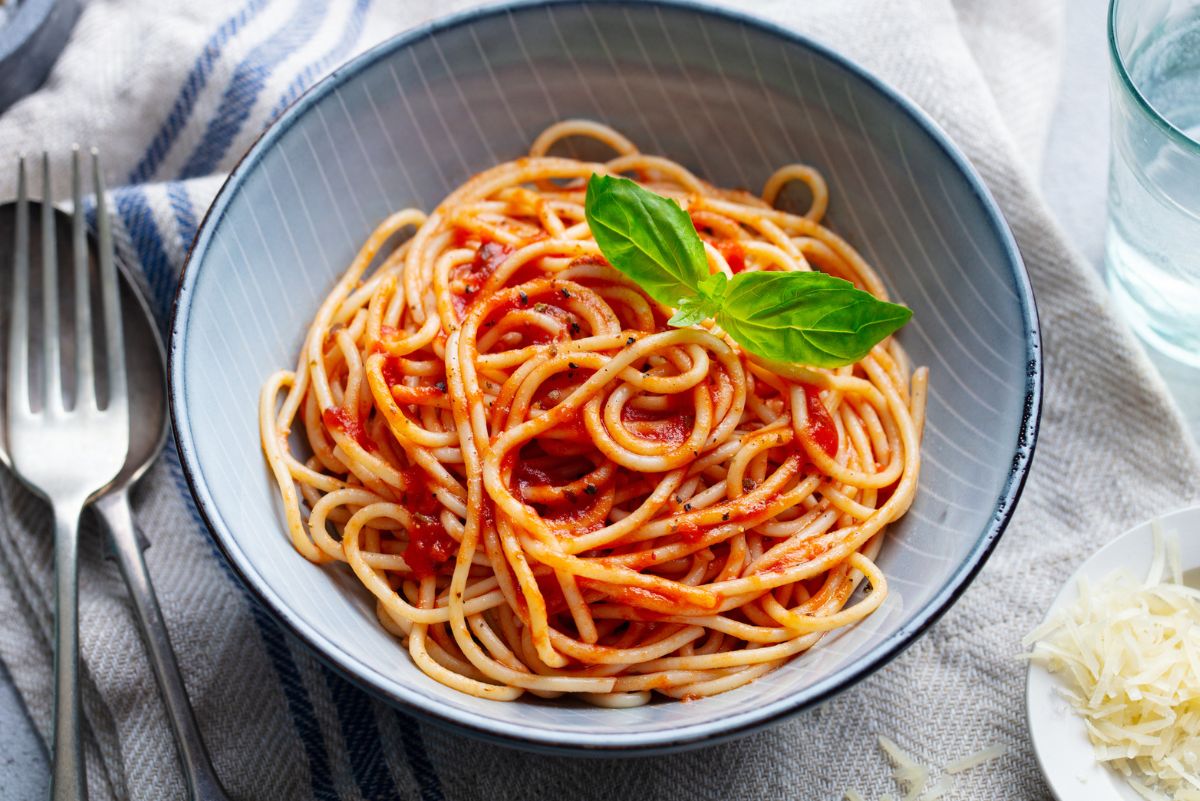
(1153, 243)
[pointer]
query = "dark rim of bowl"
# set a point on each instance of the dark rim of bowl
(654, 742)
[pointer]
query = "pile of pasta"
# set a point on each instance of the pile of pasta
(545, 487)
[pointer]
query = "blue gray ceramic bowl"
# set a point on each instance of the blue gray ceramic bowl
(729, 97)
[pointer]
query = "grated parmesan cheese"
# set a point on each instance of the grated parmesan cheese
(913, 776)
(976, 759)
(1129, 653)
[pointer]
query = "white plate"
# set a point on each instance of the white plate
(1059, 736)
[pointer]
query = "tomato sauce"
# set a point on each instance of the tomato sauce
(735, 257)
(744, 513)
(417, 496)
(552, 594)
(673, 428)
(576, 426)
(536, 472)
(665, 600)
(339, 419)
(574, 520)
(428, 546)
(805, 552)
(393, 373)
(488, 258)
(820, 423)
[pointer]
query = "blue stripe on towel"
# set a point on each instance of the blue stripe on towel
(185, 217)
(334, 56)
(278, 651)
(134, 209)
(418, 758)
(299, 704)
(363, 741)
(197, 79)
(247, 83)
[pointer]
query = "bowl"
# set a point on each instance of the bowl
(729, 97)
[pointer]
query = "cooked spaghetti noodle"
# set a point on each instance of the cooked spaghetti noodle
(549, 490)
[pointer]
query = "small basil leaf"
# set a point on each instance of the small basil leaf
(647, 237)
(806, 317)
(714, 287)
(693, 311)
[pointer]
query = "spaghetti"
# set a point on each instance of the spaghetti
(549, 490)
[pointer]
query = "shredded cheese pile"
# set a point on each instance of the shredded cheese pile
(913, 777)
(1129, 653)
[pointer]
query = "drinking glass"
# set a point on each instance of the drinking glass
(1152, 249)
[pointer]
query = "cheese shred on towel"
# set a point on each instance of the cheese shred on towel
(546, 488)
(913, 776)
(1128, 652)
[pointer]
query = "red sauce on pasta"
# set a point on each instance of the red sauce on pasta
(337, 418)
(820, 423)
(417, 495)
(735, 257)
(428, 546)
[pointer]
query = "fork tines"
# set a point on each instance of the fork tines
(20, 358)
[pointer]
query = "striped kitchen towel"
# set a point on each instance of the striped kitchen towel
(174, 91)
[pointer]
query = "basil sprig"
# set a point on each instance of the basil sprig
(803, 317)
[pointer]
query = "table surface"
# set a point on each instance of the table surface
(1073, 177)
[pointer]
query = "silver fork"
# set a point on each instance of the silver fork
(64, 454)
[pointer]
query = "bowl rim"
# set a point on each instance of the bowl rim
(583, 743)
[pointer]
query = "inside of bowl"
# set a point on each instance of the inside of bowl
(731, 101)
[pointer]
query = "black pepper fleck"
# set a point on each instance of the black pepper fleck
(524, 298)
(630, 341)
(589, 489)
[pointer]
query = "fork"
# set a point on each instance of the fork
(66, 454)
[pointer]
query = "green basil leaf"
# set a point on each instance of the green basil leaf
(806, 317)
(714, 287)
(801, 317)
(693, 311)
(647, 237)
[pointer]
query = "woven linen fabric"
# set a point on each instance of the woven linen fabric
(173, 91)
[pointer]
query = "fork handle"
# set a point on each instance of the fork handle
(68, 781)
(198, 773)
